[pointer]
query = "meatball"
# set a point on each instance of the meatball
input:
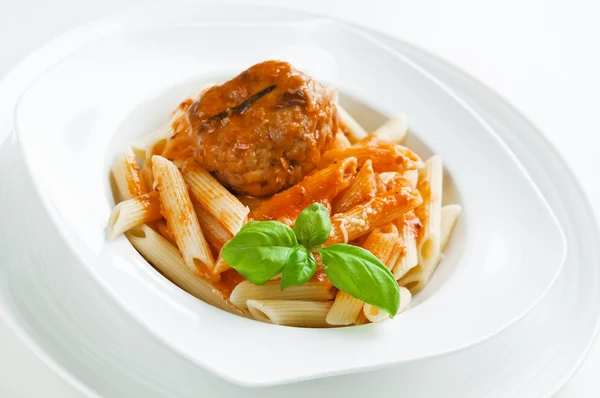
(264, 130)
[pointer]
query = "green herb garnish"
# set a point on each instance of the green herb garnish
(263, 249)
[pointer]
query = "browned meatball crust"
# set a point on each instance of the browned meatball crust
(264, 130)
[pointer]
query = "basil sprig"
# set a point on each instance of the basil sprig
(263, 249)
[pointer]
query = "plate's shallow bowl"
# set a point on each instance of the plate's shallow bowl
(507, 248)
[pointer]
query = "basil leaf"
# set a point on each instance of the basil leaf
(313, 225)
(299, 267)
(359, 273)
(260, 250)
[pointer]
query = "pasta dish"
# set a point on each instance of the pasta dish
(265, 198)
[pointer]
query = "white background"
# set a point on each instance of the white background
(543, 56)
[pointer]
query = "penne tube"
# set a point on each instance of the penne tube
(127, 177)
(290, 312)
(363, 189)
(429, 212)
(450, 215)
(165, 231)
(146, 172)
(310, 291)
(321, 187)
(361, 319)
(179, 212)
(345, 309)
(340, 141)
(373, 313)
(167, 259)
(393, 180)
(156, 147)
(221, 266)
(381, 242)
(349, 126)
(411, 177)
(380, 210)
(388, 176)
(133, 212)
(214, 198)
(214, 232)
(408, 257)
(394, 130)
(416, 279)
(385, 157)
(381, 188)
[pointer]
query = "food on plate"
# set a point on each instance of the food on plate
(265, 198)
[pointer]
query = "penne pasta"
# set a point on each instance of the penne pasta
(393, 179)
(214, 198)
(388, 176)
(385, 157)
(311, 291)
(381, 188)
(321, 187)
(146, 172)
(382, 242)
(450, 214)
(178, 210)
(167, 259)
(155, 148)
(416, 279)
(363, 188)
(380, 210)
(340, 141)
(345, 309)
(361, 319)
(411, 177)
(394, 130)
(221, 266)
(127, 177)
(408, 256)
(214, 232)
(133, 212)
(165, 231)
(349, 126)
(429, 212)
(373, 314)
(290, 312)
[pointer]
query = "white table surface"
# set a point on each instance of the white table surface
(541, 55)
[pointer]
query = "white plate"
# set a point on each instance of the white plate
(55, 305)
(79, 114)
